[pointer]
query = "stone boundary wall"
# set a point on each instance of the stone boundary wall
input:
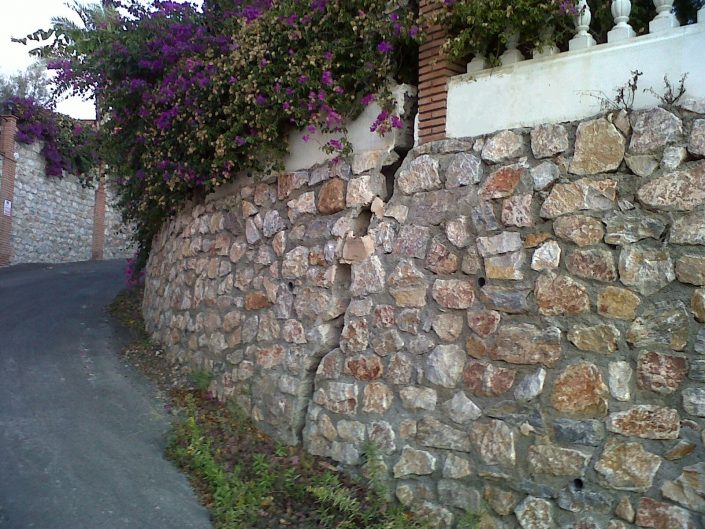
(252, 285)
(117, 243)
(516, 323)
(53, 218)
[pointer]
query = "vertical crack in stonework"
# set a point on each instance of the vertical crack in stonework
(390, 171)
(323, 338)
(348, 380)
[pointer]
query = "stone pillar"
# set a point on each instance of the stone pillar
(8, 128)
(99, 218)
(434, 71)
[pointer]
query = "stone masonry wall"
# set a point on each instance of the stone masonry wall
(53, 217)
(518, 327)
(251, 285)
(118, 242)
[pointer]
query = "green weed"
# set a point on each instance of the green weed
(201, 379)
(241, 496)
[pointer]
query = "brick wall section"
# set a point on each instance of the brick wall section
(8, 125)
(99, 219)
(434, 71)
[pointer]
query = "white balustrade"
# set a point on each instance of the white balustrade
(582, 39)
(621, 30)
(512, 55)
(477, 64)
(547, 50)
(664, 19)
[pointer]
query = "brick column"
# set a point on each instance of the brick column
(434, 71)
(8, 126)
(99, 218)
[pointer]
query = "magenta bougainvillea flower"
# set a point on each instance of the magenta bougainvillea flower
(199, 95)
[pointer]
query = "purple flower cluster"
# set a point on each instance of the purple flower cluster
(68, 146)
(133, 274)
(568, 7)
(197, 97)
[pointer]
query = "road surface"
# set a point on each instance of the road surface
(81, 434)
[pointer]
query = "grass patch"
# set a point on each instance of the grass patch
(126, 308)
(249, 481)
(246, 479)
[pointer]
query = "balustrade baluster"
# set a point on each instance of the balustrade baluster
(549, 49)
(582, 38)
(664, 19)
(512, 55)
(477, 64)
(622, 30)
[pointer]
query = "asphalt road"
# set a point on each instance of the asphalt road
(81, 435)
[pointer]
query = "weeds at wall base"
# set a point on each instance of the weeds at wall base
(246, 479)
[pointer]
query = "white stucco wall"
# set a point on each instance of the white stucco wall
(306, 154)
(572, 85)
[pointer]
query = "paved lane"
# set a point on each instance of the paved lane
(81, 435)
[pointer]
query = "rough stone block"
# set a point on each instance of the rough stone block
(599, 148)
(646, 421)
(580, 391)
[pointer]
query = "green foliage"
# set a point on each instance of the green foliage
(201, 379)
(69, 144)
(280, 449)
(336, 501)
(32, 83)
(235, 500)
(469, 520)
(643, 12)
(373, 511)
(238, 495)
(482, 26)
(198, 97)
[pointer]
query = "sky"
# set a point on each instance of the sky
(18, 19)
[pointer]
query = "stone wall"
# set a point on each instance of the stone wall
(118, 242)
(252, 287)
(516, 323)
(53, 217)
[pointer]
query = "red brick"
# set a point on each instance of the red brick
(8, 124)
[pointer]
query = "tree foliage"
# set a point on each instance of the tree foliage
(68, 145)
(196, 97)
(31, 83)
(481, 27)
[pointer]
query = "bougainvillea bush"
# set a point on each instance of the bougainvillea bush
(194, 97)
(69, 145)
